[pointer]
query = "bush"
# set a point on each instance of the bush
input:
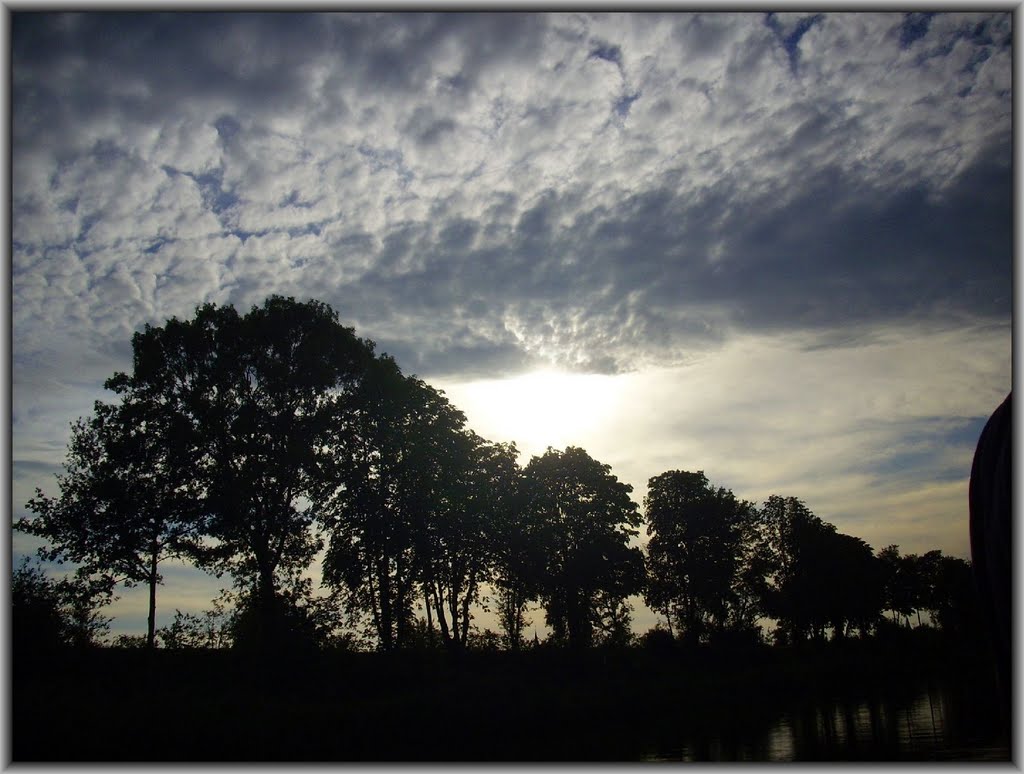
(658, 639)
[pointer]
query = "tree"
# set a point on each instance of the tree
(897, 596)
(411, 497)
(587, 520)
(951, 596)
(126, 503)
(809, 576)
(695, 552)
(251, 400)
(476, 489)
(856, 593)
(517, 549)
(370, 501)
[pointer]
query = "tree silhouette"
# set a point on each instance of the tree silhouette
(447, 483)
(853, 585)
(800, 567)
(695, 551)
(376, 486)
(409, 504)
(517, 548)
(899, 593)
(251, 399)
(127, 500)
(587, 520)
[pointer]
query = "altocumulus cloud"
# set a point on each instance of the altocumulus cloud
(482, 194)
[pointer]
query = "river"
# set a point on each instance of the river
(928, 725)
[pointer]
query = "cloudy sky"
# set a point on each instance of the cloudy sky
(777, 248)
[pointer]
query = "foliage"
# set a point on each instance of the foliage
(586, 519)
(210, 629)
(657, 639)
(809, 577)
(130, 641)
(48, 613)
(250, 400)
(695, 552)
(239, 442)
(486, 641)
(515, 548)
(371, 501)
(126, 501)
(903, 591)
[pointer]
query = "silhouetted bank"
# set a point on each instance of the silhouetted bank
(540, 704)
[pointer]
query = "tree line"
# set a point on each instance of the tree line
(248, 445)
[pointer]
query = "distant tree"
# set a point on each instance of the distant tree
(209, 629)
(951, 597)
(587, 520)
(127, 499)
(897, 597)
(658, 639)
(805, 573)
(48, 613)
(251, 399)
(695, 552)
(856, 593)
(453, 504)
(310, 621)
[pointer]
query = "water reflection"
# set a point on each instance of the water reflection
(922, 727)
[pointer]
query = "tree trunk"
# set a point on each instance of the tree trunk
(430, 617)
(154, 553)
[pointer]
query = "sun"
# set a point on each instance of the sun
(539, 409)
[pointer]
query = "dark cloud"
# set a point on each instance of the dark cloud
(458, 175)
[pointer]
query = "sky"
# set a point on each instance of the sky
(777, 248)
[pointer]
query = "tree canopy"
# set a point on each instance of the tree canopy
(241, 443)
(587, 519)
(695, 551)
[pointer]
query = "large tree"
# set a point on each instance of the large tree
(695, 551)
(252, 400)
(587, 520)
(408, 505)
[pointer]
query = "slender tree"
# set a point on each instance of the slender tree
(126, 500)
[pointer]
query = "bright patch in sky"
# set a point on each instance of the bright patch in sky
(540, 408)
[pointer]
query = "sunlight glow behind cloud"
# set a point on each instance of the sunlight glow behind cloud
(541, 408)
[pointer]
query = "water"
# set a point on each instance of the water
(924, 727)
